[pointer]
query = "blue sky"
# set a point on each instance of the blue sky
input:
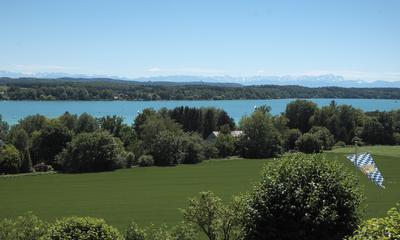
(359, 39)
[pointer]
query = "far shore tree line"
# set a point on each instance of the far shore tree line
(167, 137)
(110, 89)
(302, 197)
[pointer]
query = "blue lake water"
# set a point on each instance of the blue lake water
(12, 111)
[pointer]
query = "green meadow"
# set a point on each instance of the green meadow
(155, 194)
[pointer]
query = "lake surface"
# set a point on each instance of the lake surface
(12, 111)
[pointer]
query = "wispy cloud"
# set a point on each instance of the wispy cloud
(186, 70)
(30, 69)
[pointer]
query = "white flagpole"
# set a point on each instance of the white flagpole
(355, 139)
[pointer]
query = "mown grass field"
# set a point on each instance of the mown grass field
(154, 195)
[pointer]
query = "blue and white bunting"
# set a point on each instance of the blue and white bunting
(367, 165)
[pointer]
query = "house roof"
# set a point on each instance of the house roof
(233, 133)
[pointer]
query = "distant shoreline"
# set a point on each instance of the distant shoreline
(117, 90)
(187, 100)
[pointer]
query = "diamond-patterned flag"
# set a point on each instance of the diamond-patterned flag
(366, 164)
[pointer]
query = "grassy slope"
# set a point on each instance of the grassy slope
(155, 194)
(145, 194)
(387, 159)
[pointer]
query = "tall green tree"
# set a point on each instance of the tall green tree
(209, 122)
(33, 123)
(260, 138)
(166, 149)
(372, 131)
(49, 142)
(10, 159)
(112, 124)
(20, 140)
(3, 128)
(225, 143)
(69, 120)
(193, 148)
(142, 117)
(299, 113)
(86, 123)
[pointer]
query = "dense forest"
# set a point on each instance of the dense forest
(110, 89)
(169, 137)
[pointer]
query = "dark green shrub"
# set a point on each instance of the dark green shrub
(82, 228)
(291, 136)
(324, 136)
(146, 161)
(10, 159)
(92, 152)
(387, 228)
(340, 144)
(130, 160)
(309, 143)
(304, 197)
(210, 151)
(26, 227)
(396, 138)
(42, 167)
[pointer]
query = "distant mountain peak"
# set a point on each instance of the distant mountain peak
(324, 80)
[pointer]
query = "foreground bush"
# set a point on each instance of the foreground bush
(183, 231)
(387, 228)
(303, 197)
(214, 218)
(27, 227)
(82, 228)
(92, 152)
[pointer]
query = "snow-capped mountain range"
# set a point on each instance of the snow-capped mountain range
(304, 80)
